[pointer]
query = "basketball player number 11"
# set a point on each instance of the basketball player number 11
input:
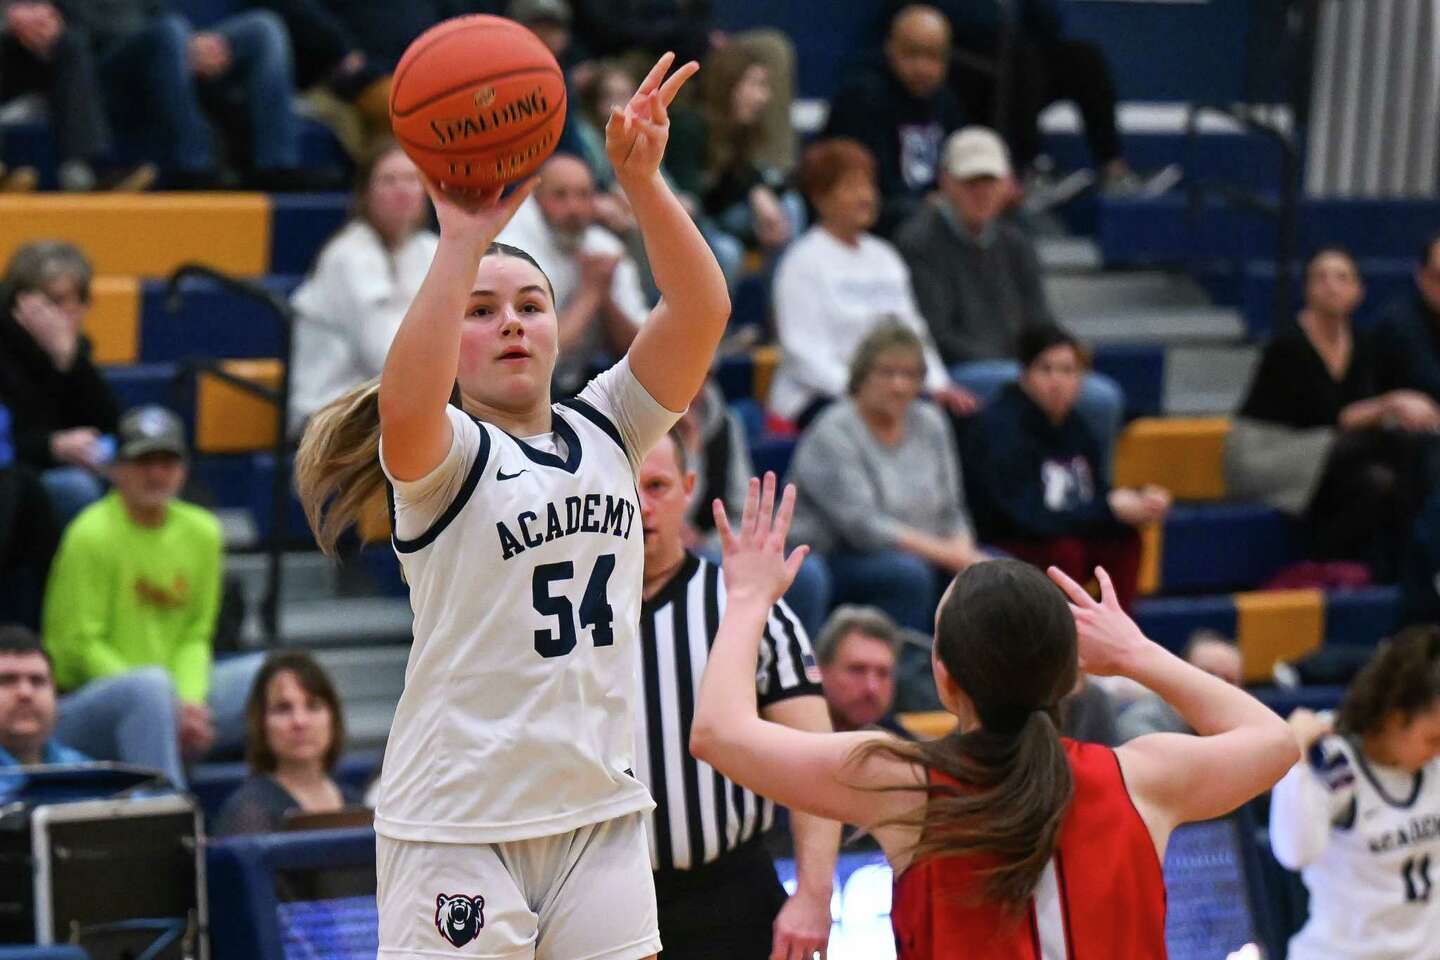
(595, 609)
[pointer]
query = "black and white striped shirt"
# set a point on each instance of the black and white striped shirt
(700, 815)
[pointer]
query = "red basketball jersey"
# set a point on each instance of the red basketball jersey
(1102, 896)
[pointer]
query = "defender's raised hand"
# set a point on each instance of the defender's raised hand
(755, 562)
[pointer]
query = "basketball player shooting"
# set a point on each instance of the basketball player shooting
(509, 822)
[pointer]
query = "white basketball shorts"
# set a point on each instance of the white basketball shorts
(583, 895)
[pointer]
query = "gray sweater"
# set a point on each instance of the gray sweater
(855, 493)
(976, 294)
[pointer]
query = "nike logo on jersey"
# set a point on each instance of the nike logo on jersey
(593, 513)
(502, 476)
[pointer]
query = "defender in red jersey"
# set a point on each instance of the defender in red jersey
(1007, 840)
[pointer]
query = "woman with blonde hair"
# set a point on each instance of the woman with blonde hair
(508, 812)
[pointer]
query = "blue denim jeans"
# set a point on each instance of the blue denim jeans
(1101, 403)
(71, 490)
(154, 87)
(131, 717)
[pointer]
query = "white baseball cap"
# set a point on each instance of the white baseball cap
(976, 152)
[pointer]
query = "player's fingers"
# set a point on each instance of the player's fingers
(796, 561)
(1073, 590)
(767, 505)
(657, 73)
(1107, 589)
(677, 80)
(722, 525)
(752, 507)
(786, 512)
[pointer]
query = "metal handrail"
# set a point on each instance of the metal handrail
(280, 397)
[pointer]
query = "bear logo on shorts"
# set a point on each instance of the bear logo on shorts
(459, 918)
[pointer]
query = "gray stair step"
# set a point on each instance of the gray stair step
(339, 622)
(1091, 293)
(367, 723)
(1068, 254)
(1167, 325)
(366, 673)
(305, 576)
(1207, 380)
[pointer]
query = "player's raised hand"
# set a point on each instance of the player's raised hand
(1108, 639)
(475, 216)
(755, 562)
(635, 136)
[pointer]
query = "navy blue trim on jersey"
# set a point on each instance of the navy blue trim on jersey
(1364, 766)
(587, 411)
(472, 480)
(571, 461)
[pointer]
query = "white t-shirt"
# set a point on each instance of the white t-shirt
(525, 559)
(529, 231)
(828, 296)
(1366, 840)
(350, 308)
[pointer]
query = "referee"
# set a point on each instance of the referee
(718, 895)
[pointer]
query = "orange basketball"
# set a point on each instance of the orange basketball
(477, 102)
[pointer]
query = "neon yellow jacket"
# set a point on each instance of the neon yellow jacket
(122, 596)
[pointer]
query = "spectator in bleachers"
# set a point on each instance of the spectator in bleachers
(1046, 66)
(362, 283)
(716, 153)
(858, 650)
(27, 703)
(294, 733)
(645, 29)
(977, 280)
(1407, 335)
(1316, 439)
(598, 295)
(29, 535)
(902, 112)
(1420, 569)
(1357, 815)
(40, 52)
(167, 79)
(880, 496)
(1037, 483)
(1209, 650)
(836, 283)
(62, 409)
(132, 604)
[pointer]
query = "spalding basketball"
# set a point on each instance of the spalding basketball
(477, 102)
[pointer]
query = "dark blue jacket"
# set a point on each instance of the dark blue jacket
(1030, 479)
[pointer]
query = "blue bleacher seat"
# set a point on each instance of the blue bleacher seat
(772, 453)
(1215, 547)
(142, 383)
(735, 375)
(1169, 621)
(1139, 369)
(211, 322)
(299, 226)
(1361, 616)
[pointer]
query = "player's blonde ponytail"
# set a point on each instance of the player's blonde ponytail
(337, 468)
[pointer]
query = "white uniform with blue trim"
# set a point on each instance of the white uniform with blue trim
(1366, 839)
(509, 772)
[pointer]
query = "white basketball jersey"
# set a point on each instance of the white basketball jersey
(1373, 891)
(516, 718)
